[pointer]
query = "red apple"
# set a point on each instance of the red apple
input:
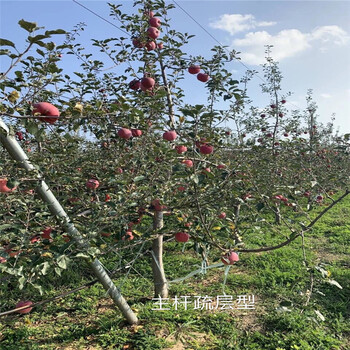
(262, 115)
(273, 106)
(160, 46)
(222, 215)
(206, 149)
(149, 13)
(124, 133)
(24, 303)
(46, 109)
(136, 132)
(128, 236)
(170, 135)
(137, 43)
(181, 149)
(119, 171)
(2, 260)
(319, 198)
(155, 22)
(181, 188)
(35, 239)
(194, 69)
(151, 45)
(147, 83)
(230, 258)
(46, 233)
(221, 166)
(283, 101)
(188, 163)
(107, 198)
(203, 77)
(207, 170)
(153, 32)
(307, 194)
(19, 135)
(280, 115)
(285, 134)
(182, 237)
(135, 84)
(92, 184)
(4, 188)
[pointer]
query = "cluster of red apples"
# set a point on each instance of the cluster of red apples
(200, 76)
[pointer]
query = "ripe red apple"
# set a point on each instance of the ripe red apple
(230, 258)
(319, 197)
(137, 43)
(181, 188)
(188, 224)
(260, 140)
(194, 69)
(46, 233)
(188, 163)
(203, 77)
(4, 188)
(269, 135)
(206, 149)
(221, 166)
(206, 170)
(307, 194)
(276, 143)
(273, 106)
(280, 115)
(2, 260)
(181, 149)
(170, 135)
(263, 129)
(135, 84)
(262, 115)
(35, 239)
(160, 46)
(149, 13)
(46, 109)
(128, 236)
(147, 83)
(155, 22)
(182, 237)
(24, 303)
(136, 132)
(222, 215)
(151, 45)
(228, 133)
(19, 135)
(285, 134)
(124, 133)
(107, 198)
(92, 184)
(157, 206)
(283, 101)
(153, 32)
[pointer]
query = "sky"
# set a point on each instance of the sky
(311, 41)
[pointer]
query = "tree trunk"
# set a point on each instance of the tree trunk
(160, 282)
(277, 215)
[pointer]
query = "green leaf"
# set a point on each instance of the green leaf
(82, 255)
(56, 31)
(139, 178)
(5, 42)
(32, 128)
(35, 39)
(62, 261)
(38, 287)
(21, 281)
(28, 26)
(45, 267)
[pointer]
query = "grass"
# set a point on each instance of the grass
(279, 280)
